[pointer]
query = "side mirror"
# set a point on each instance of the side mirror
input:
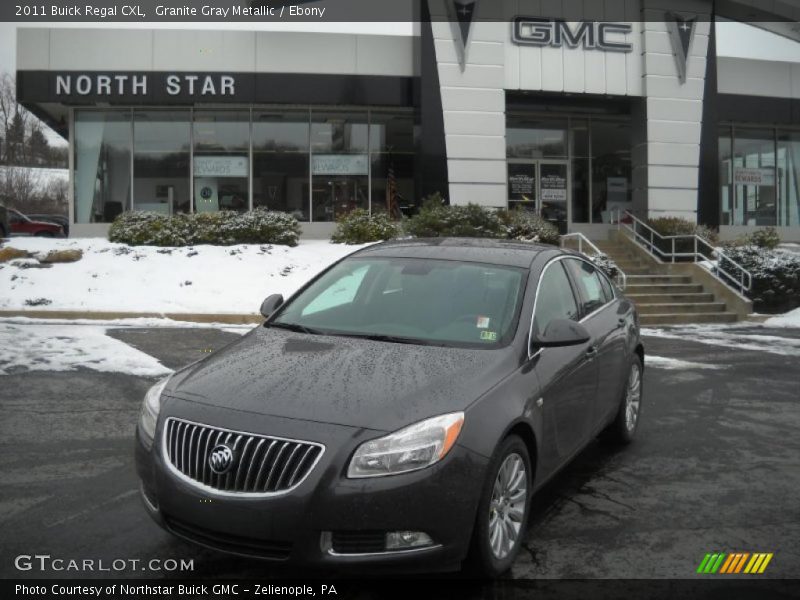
(561, 332)
(271, 304)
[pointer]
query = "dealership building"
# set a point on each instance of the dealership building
(579, 116)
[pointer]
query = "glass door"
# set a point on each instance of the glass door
(554, 193)
(523, 191)
(540, 186)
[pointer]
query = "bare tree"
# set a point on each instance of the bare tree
(16, 123)
(8, 108)
(20, 186)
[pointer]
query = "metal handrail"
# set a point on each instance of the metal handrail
(622, 279)
(648, 243)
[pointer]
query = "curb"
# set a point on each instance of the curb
(227, 318)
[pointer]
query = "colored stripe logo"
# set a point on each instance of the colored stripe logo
(734, 563)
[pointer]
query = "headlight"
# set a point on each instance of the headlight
(414, 447)
(150, 408)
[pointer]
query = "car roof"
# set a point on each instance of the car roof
(485, 250)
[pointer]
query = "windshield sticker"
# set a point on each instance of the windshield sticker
(489, 336)
(483, 322)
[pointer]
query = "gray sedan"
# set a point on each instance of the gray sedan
(399, 411)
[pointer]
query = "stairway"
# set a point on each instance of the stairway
(661, 297)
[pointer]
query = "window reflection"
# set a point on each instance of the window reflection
(221, 160)
(102, 165)
(339, 163)
(161, 161)
(280, 162)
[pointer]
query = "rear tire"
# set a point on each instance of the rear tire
(623, 429)
(502, 519)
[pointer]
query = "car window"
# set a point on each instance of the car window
(608, 290)
(590, 284)
(555, 299)
(342, 291)
(444, 302)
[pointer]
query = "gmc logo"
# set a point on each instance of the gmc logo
(592, 35)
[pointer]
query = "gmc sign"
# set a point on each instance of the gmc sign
(591, 35)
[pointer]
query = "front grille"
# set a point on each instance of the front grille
(358, 542)
(272, 549)
(261, 464)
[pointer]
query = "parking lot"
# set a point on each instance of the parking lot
(716, 467)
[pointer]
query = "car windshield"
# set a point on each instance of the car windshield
(408, 300)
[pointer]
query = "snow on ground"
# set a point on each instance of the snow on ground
(199, 279)
(66, 347)
(663, 362)
(729, 336)
(790, 319)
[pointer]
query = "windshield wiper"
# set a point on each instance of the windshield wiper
(377, 337)
(295, 327)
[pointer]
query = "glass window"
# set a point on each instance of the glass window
(391, 142)
(611, 169)
(555, 299)
(580, 190)
(221, 160)
(102, 165)
(536, 138)
(589, 283)
(466, 304)
(280, 162)
(727, 216)
(161, 161)
(339, 164)
(754, 190)
(608, 289)
(789, 178)
(579, 134)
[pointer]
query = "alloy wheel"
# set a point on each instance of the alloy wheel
(508, 504)
(633, 397)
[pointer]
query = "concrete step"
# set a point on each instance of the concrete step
(657, 278)
(664, 288)
(669, 298)
(686, 318)
(636, 270)
(681, 308)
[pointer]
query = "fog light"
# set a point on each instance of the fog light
(403, 540)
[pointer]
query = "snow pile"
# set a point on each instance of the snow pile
(144, 279)
(789, 319)
(68, 347)
(663, 362)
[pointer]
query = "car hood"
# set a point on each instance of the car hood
(339, 380)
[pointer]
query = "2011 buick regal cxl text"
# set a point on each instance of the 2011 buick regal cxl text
(399, 410)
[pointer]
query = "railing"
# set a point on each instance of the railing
(699, 250)
(583, 241)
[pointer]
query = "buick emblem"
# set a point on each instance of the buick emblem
(221, 459)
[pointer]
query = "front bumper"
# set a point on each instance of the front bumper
(297, 527)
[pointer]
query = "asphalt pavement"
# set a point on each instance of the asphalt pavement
(716, 468)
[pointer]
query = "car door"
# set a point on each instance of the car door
(567, 375)
(600, 316)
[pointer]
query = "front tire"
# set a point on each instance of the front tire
(623, 429)
(502, 518)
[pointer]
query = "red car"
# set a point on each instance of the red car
(22, 225)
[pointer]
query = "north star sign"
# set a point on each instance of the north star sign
(591, 35)
(122, 84)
